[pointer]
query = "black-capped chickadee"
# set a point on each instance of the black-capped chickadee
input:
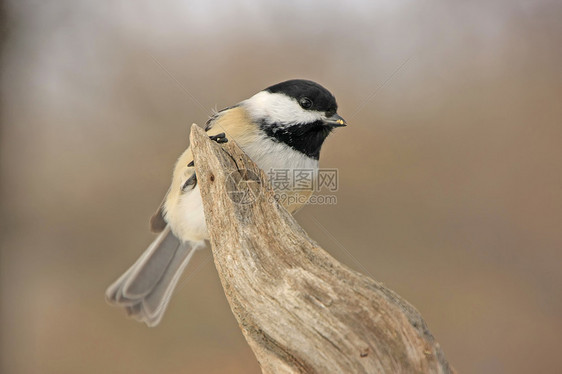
(282, 127)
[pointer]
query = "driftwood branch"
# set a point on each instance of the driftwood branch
(300, 310)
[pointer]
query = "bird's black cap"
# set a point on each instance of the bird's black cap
(322, 99)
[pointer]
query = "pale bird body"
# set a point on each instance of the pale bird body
(280, 128)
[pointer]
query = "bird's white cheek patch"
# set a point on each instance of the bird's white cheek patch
(279, 109)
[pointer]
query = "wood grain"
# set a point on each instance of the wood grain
(300, 310)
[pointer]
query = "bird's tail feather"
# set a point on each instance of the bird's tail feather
(145, 289)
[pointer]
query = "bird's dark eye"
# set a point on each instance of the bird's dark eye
(305, 102)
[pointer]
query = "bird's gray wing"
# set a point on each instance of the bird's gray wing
(157, 222)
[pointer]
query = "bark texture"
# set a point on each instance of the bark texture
(300, 310)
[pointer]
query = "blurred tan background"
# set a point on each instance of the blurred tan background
(450, 170)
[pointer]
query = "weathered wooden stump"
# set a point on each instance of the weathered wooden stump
(300, 310)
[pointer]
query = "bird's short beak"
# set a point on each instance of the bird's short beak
(335, 121)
